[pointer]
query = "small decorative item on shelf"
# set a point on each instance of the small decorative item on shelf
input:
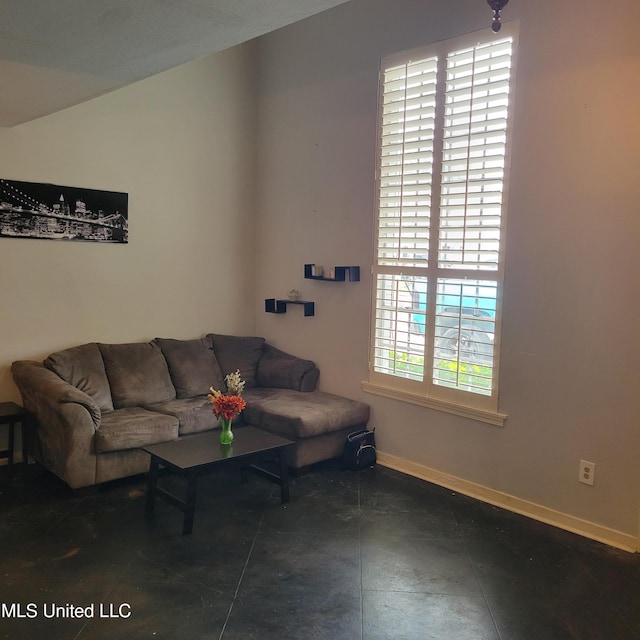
(293, 294)
(228, 406)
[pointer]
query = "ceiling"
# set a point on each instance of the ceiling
(54, 54)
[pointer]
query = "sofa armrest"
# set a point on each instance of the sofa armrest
(277, 369)
(42, 390)
(66, 420)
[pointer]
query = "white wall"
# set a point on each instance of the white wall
(182, 145)
(571, 347)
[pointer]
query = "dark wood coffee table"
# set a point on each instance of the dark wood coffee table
(199, 454)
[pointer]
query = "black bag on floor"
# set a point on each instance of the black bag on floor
(360, 450)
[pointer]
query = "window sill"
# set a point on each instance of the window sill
(481, 415)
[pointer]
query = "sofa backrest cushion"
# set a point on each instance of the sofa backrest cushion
(138, 374)
(193, 366)
(83, 367)
(238, 352)
(284, 371)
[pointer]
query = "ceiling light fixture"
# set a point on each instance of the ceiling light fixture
(497, 6)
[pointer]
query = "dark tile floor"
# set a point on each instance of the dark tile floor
(367, 555)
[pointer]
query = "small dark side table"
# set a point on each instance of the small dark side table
(10, 414)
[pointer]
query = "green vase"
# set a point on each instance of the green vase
(226, 435)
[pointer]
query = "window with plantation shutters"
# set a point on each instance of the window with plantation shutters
(442, 176)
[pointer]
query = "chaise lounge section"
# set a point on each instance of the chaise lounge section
(95, 405)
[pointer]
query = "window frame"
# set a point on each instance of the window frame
(476, 406)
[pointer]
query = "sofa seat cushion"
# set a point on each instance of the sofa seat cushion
(240, 353)
(134, 427)
(193, 366)
(83, 368)
(138, 374)
(299, 414)
(193, 414)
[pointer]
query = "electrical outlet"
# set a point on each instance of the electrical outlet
(587, 472)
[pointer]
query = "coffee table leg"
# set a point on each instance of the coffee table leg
(190, 504)
(152, 484)
(284, 476)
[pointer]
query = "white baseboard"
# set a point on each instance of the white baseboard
(564, 521)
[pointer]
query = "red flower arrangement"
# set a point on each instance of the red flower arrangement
(227, 407)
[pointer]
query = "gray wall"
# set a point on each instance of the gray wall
(571, 348)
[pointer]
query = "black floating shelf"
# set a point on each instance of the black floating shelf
(340, 274)
(271, 305)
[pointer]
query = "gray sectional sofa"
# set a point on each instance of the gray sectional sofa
(96, 404)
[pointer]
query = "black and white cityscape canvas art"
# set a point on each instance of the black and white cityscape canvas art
(54, 212)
